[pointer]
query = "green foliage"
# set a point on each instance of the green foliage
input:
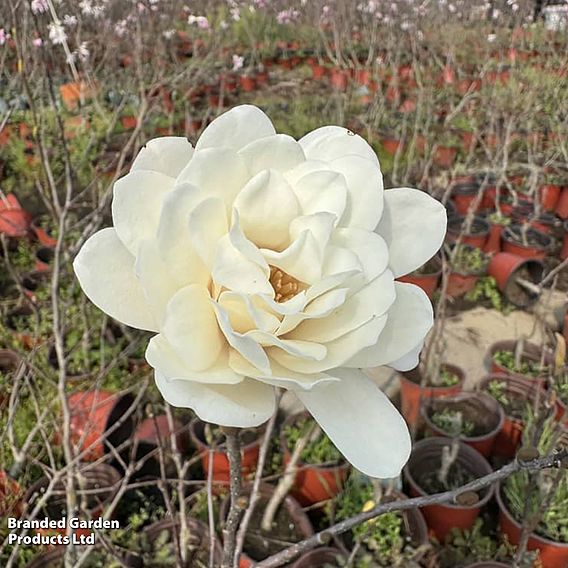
(468, 260)
(486, 289)
(453, 423)
(447, 378)
(497, 390)
(320, 451)
(526, 366)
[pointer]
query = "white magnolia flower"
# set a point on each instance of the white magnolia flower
(260, 261)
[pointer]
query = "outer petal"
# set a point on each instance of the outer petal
(331, 142)
(191, 327)
(362, 422)
(236, 128)
(323, 191)
(248, 404)
(408, 361)
(136, 206)
(409, 320)
(414, 226)
(105, 270)
(167, 155)
(207, 223)
(280, 152)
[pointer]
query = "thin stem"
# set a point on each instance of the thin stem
(232, 524)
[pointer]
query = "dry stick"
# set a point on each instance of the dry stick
(557, 460)
(255, 492)
(287, 481)
(210, 513)
(232, 524)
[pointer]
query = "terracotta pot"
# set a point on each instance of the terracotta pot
(551, 554)
(339, 79)
(296, 514)
(32, 281)
(44, 256)
(413, 395)
(426, 457)
(510, 437)
(463, 196)
(549, 195)
(318, 71)
(157, 432)
(221, 469)
(44, 236)
(460, 283)
(97, 485)
(513, 244)
(475, 407)
(445, 156)
(199, 534)
(313, 483)
(129, 122)
(10, 496)
(72, 93)
(477, 235)
(531, 353)
(248, 83)
(428, 282)
(14, 222)
(362, 77)
(319, 558)
(92, 414)
(391, 145)
(506, 268)
(562, 206)
(493, 243)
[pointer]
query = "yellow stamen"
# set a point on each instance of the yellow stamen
(285, 286)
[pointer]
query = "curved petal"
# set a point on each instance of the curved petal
(409, 320)
(105, 270)
(280, 152)
(266, 207)
(365, 190)
(297, 348)
(322, 191)
(320, 226)
(331, 142)
(248, 404)
(408, 361)
(191, 327)
(167, 155)
(216, 172)
(246, 313)
(362, 422)
(163, 358)
(207, 223)
(136, 206)
(236, 128)
(414, 226)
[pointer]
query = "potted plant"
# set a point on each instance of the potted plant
(439, 464)
(467, 264)
(521, 359)
(209, 437)
(321, 467)
(473, 231)
(497, 222)
(394, 539)
(526, 242)
(426, 277)
(417, 387)
(549, 191)
(474, 418)
(446, 150)
(464, 193)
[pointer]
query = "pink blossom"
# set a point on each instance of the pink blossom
(3, 36)
(39, 6)
(37, 42)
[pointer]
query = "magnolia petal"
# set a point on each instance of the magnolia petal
(320, 226)
(137, 204)
(362, 422)
(280, 152)
(216, 172)
(370, 302)
(164, 359)
(246, 346)
(207, 223)
(246, 313)
(309, 166)
(266, 207)
(414, 226)
(409, 320)
(167, 155)
(246, 405)
(332, 142)
(105, 270)
(297, 348)
(293, 306)
(364, 205)
(236, 128)
(191, 327)
(184, 264)
(340, 260)
(339, 350)
(322, 191)
(408, 361)
(370, 249)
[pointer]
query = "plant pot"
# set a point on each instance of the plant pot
(460, 283)
(313, 483)
(551, 554)
(10, 496)
(531, 353)
(14, 222)
(562, 205)
(493, 243)
(426, 457)
(463, 196)
(549, 195)
(247, 83)
(476, 236)
(319, 558)
(538, 246)
(510, 437)
(221, 469)
(95, 412)
(413, 395)
(506, 268)
(339, 79)
(391, 145)
(318, 71)
(476, 407)
(445, 156)
(96, 486)
(256, 546)
(156, 431)
(44, 236)
(44, 257)
(428, 282)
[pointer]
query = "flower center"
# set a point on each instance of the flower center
(285, 286)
